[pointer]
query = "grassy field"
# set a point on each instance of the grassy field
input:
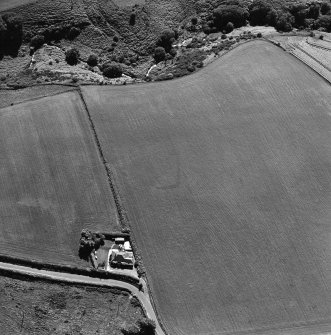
(43, 308)
(52, 181)
(226, 177)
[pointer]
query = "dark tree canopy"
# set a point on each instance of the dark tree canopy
(72, 56)
(159, 54)
(166, 39)
(113, 70)
(37, 41)
(92, 60)
(229, 13)
(258, 12)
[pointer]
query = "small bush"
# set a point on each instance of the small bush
(259, 35)
(194, 20)
(223, 37)
(92, 60)
(37, 41)
(166, 39)
(191, 68)
(72, 56)
(229, 27)
(159, 54)
(113, 71)
(321, 37)
(132, 20)
(73, 33)
(115, 38)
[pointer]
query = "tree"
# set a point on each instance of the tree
(314, 11)
(229, 13)
(3, 31)
(14, 32)
(325, 22)
(113, 70)
(229, 27)
(73, 33)
(72, 56)
(194, 21)
(92, 60)
(325, 8)
(284, 22)
(146, 326)
(37, 41)
(300, 12)
(132, 20)
(166, 39)
(159, 54)
(258, 12)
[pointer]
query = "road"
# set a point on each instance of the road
(143, 296)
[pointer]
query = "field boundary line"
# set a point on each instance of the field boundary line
(37, 98)
(121, 212)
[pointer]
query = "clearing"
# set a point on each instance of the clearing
(226, 176)
(53, 182)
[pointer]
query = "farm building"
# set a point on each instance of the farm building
(122, 259)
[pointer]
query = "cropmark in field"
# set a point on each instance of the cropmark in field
(226, 178)
(52, 180)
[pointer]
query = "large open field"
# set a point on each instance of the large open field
(226, 175)
(52, 180)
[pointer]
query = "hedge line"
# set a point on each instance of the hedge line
(70, 269)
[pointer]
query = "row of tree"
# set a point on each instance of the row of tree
(11, 32)
(312, 15)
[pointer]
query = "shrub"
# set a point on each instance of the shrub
(88, 241)
(223, 37)
(284, 22)
(73, 33)
(259, 35)
(112, 71)
(325, 22)
(191, 68)
(159, 54)
(325, 8)
(166, 39)
(132, 20)
(258, 12)
(194, 20)
(92, 60)
(115, 38)
(321, 37)
(72, 56)
(229, 27)
(3, 31)
(146, 326)
(12, 30)
(37, 41)
(313, 11)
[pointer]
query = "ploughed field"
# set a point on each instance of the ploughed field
(225, 175)
(52, 180)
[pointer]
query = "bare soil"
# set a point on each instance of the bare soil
(34, 307)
